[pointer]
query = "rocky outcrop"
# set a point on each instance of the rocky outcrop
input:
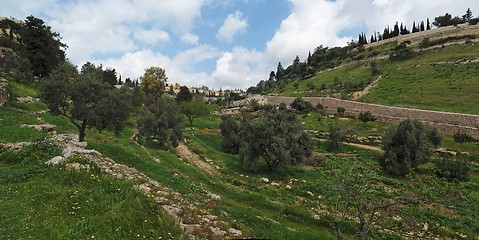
(193, 220)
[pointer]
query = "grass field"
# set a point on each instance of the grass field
(37, 199)
(433, 79)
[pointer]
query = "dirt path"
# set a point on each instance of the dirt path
(189, 156)
(367, 89)
(364, 146)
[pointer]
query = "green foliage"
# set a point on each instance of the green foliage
(335, 138)
(401, 52)
(447, 20)
(41, 46)
(425, 43)
(230, 132)
(153, 83)
(277, 137)
(435, 137)
(462, 137)
(366, 117)
(85, 99)
(138, 96)
(193, 109)
(405, 147)
(341, 110)
(184, 95)
(452, 169)
(301, 105)
(161, 121)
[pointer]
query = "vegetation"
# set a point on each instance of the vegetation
(193, 108)
(366, 117)
(161, 121)
(153, 83)
(300, 105)
(230, 131)
(462, 137)
(84, 99)
(276, 137)
(405, 147)
(335, 139)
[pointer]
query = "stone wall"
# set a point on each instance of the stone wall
(445, 121)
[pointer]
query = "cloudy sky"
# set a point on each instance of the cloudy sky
(217, 43)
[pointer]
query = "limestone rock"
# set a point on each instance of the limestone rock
(55, 160)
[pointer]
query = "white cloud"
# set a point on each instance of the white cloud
(189, 38)
(151, 37)
(234, 24)
(239, 68)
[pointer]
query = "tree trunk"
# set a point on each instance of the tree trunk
(81, 136)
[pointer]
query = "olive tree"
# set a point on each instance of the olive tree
(85, 100)
(405, 147)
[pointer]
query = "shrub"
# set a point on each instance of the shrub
(300, 105)
(366, 117)
(335, 138)
(405, 147)
(452, 169)
(462, 137)
(435, 137)
(341, 110)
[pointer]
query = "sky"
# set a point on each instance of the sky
(228, 44)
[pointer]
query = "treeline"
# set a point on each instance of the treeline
(400, 29)
(324, 58)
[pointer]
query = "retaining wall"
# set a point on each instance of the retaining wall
(445, 121)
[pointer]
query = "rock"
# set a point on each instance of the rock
(40, 127)
(27, 99)
(144, 188)
(235, 232)
(215, 197)
(265, 180)
(216, 231)
(190, 228)
(288, 187)
(55, 160)
(16, 146)
(310, 193)
(173, 210)
(275, 184)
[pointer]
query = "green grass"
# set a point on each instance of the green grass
(354, 73)
(49, 202)
(430, 80)
(445, 87)
(11, 121)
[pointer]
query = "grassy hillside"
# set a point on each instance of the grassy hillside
(434, 79)
(37, 199)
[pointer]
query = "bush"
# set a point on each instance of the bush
(462, 137)
(435, 137)
(341, 110)
(452, 169)
(300, 105)
(335, 138)
(405, 147)
(366, 117)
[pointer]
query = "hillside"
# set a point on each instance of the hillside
(441, 77)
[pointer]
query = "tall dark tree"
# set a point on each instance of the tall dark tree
(414, 28)
(428, 25)
(109, 76)
(84, 99)
(396, 31)
(43, 47)
(421, 28)
(279, 72)
(272, 76)
(468, 16)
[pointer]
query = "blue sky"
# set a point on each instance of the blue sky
(217, 43)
